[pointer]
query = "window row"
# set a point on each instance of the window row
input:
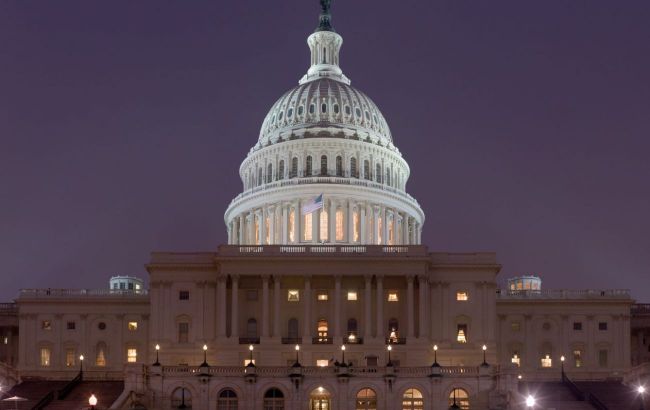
(319, 399)
(576, 359)
(72, 359)
(577, 326)
(325, 108)
(72, 325)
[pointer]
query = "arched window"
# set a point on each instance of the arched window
(251, 328)
(336, 108)
(412, 400)
(378, 174)
(308, 166)
(393, 330)
(323, 165)
(259, 176)
(312, 108)
(322, 330)
(353, 168)
(100, 354)
(366, 170)
(347, 110)
(459, 397)
(281, 170)
(320, 399)
(352, 328)
(323, 108)
(227, 400)
(181, 399)
(292, 326)
(301, 109)
(388, 179)
(339, 166)
(294, 167)
(366, 400)
(273, 399)
(290, 113)
(269, 173)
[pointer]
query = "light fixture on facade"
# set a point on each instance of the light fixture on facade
(92, 401)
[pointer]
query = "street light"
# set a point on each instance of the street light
(562, 359)
(435, 356)
(250, 361)
(641, 391)
(343, 355)
(484, 364)
(297, 363)
(530, 401)
(390, 363)
(81, 364)
(205, 356)
(92, 401)
(157, 363)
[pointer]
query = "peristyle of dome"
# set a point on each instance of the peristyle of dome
(324, 169)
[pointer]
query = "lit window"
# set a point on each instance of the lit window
(323, 225)
(356, 222)
(461, 333)
(248, 361)
(392, 297)
(292, 216)
(308, 227)
(46, 325)
(352, 295)
(462, 296)
(322, 362)
(515, 326)
(322, 328)
(133, 326)
(293, 295)
(516, 360)
(380, 230)
(45, 357)
(267, 231)
(322, 296)
(339, 224)
(184, 295)
(547, 361)
(70, 357)
(577, 358)
(100, 357)
(131, 355)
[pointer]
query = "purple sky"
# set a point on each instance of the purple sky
(526, 126)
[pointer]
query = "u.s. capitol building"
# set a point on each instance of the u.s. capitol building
(324, 297)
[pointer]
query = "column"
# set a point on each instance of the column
(250, 224)
(221, 311)
(306, 321)
(332, 221)
(271, 225)
(276, 306)
(265, 306)
(384, 225)
(367, 300)
(422, 314)
(285, 225)
(375, 225)
(297, 222)
(381, 331)
(410, 306)
(234, 308)
(242, 219)
(262, 225)
(405, 230)
(337, 308)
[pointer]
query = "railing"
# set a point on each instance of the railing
(322, 180)
(291, 340)
(322, 340)
(582, 396)
(249, 340)
(44, 293)
(563, 294)
(63, 393)
(641, 308)
(395, 341)
(8, 308)
(319, 250)
(42, 403)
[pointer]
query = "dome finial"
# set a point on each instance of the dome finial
(325, 16)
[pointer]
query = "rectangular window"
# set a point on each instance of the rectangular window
(131, 355)
(248, 361)
(602, 325)
(371, 361)
(133, 326)
(6, 340)
(322, 362)
(323, 225)
(516, 360)
(183, 332)
(339, 224)
(70, 357)
(46, 325)
(45, 357)
(461, 333)
(308, 227)
(322, 296)
(462, 296)
(577, 358)
(251, 295)
(293, 295)
(352, 295)
(71, 325)
(515, 326)
(547, 361)
(577, 325)
(392, 297)
(184, 295)
(602, 358)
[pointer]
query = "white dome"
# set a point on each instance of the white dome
(324, 102)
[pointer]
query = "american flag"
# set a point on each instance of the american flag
(312, 205)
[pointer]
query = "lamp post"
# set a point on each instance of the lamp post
(641, 391)
(81, 364)
(205, 356)
(157, 363)
(297, 363)
(484, 364)
(92, 401)
(250, 361)
(343, 355)
(389, 348)
(455, 405)
(562, 359)
(530, 402)
(435, 356)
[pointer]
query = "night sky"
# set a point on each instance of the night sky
(526, 125)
